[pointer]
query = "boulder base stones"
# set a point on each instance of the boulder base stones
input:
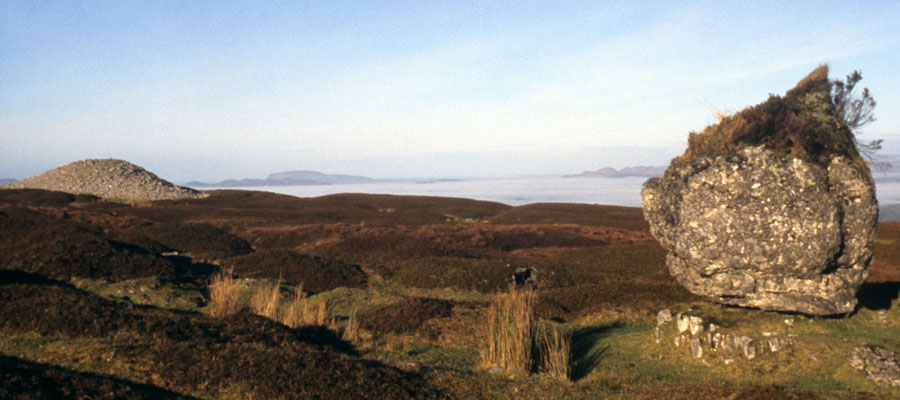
(755, 222)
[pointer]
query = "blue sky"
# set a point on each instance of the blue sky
(213, 90)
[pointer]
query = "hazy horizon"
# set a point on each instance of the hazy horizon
(209, 91)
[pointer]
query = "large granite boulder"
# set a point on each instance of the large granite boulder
(758, 226)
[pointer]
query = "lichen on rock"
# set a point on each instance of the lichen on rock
(772, 208)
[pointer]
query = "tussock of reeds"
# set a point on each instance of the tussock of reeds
(224, 291)
(510, 327)
(265, 300)
(303, 312)
(351, 328)
(517, 343)
(554, 351)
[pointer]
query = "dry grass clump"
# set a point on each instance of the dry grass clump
(303, 312)
(351, 329)
(518, 343)
(265, 300)
(510, 327)
(224, 291)
(554, 350)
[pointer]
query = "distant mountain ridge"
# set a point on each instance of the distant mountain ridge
(319, 177)
(289, 178)
(7, 181)
(609, 172)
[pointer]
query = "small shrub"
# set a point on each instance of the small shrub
(510, 331)
(223, 293)
(265, 300)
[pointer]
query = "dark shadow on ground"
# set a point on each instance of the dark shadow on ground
(14, 276)
(587, 352)
(878, 296)
(21, 379)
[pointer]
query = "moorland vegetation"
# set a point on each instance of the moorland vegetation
(100, 296)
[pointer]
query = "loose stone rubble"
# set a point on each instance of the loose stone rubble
(880, 365)
(704, 341)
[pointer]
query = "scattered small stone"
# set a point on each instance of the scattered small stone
(882, 316)
(726, 348)
(744, 343)
(727, 361)
(663, 316)
(750, 352)
(789, 321)
(495, 369)
(880, 365)
(657, 335)
(696, 348)
(715, 341)
(775, 344)
(713, 327)
(696, 325)
(683, 322)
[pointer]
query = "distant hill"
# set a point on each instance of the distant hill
(610, 172)
(6, 181)
(288, 178)
(889, 213)
(256, 182)
(319, 177)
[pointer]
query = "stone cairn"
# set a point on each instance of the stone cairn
(703, 340)
(107, 178)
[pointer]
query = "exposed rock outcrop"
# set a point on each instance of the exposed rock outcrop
(107, 178)
(880, 365)
(766, 212)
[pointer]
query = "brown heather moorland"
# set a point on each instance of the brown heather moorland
(102, 299)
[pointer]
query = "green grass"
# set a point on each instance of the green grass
(146, 291)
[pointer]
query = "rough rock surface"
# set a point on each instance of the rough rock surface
(107, 178)
(760, 228)
(880, 365)
(765, 230)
